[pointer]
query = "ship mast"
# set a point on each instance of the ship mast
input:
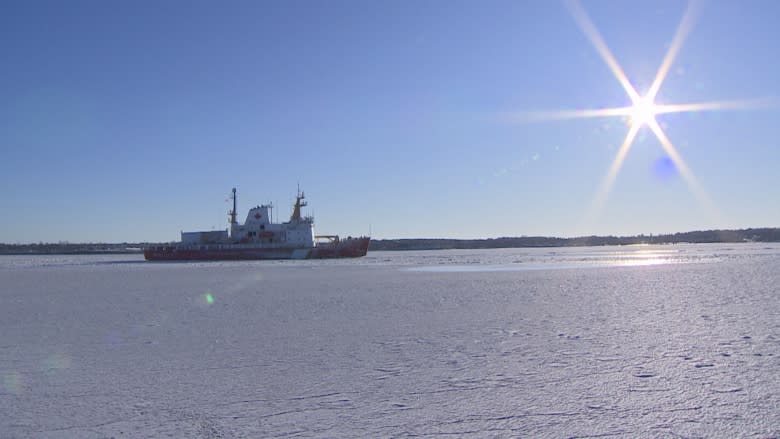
(232, 213)
(296, 215)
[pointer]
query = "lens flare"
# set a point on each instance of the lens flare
(643, 110)
(664, 169)
(12, 382)
(590, 30)
(56, 362)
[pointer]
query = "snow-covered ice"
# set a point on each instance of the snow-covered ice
(658, 341)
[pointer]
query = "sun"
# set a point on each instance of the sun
(643, 111)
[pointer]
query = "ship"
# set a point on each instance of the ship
(259, 237)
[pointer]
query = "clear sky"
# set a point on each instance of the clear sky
(131, 121)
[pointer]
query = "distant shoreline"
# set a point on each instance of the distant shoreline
(67, 249)
(766, 234)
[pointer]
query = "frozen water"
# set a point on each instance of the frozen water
(646, 341)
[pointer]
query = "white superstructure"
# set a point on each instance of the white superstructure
(260, 230)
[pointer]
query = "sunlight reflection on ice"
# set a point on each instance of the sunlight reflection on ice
(607, 257)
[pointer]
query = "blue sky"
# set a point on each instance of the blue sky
(131, 121)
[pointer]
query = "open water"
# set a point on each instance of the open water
(639, 341)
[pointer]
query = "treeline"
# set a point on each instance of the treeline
(705, 236)
(66, 248)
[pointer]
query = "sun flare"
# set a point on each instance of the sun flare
(643, 111)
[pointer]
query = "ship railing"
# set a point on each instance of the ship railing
(249, 245)
(328, 238)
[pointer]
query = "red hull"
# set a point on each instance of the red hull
(349, 248)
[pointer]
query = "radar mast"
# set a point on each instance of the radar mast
(232, 213)
(296, 215)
